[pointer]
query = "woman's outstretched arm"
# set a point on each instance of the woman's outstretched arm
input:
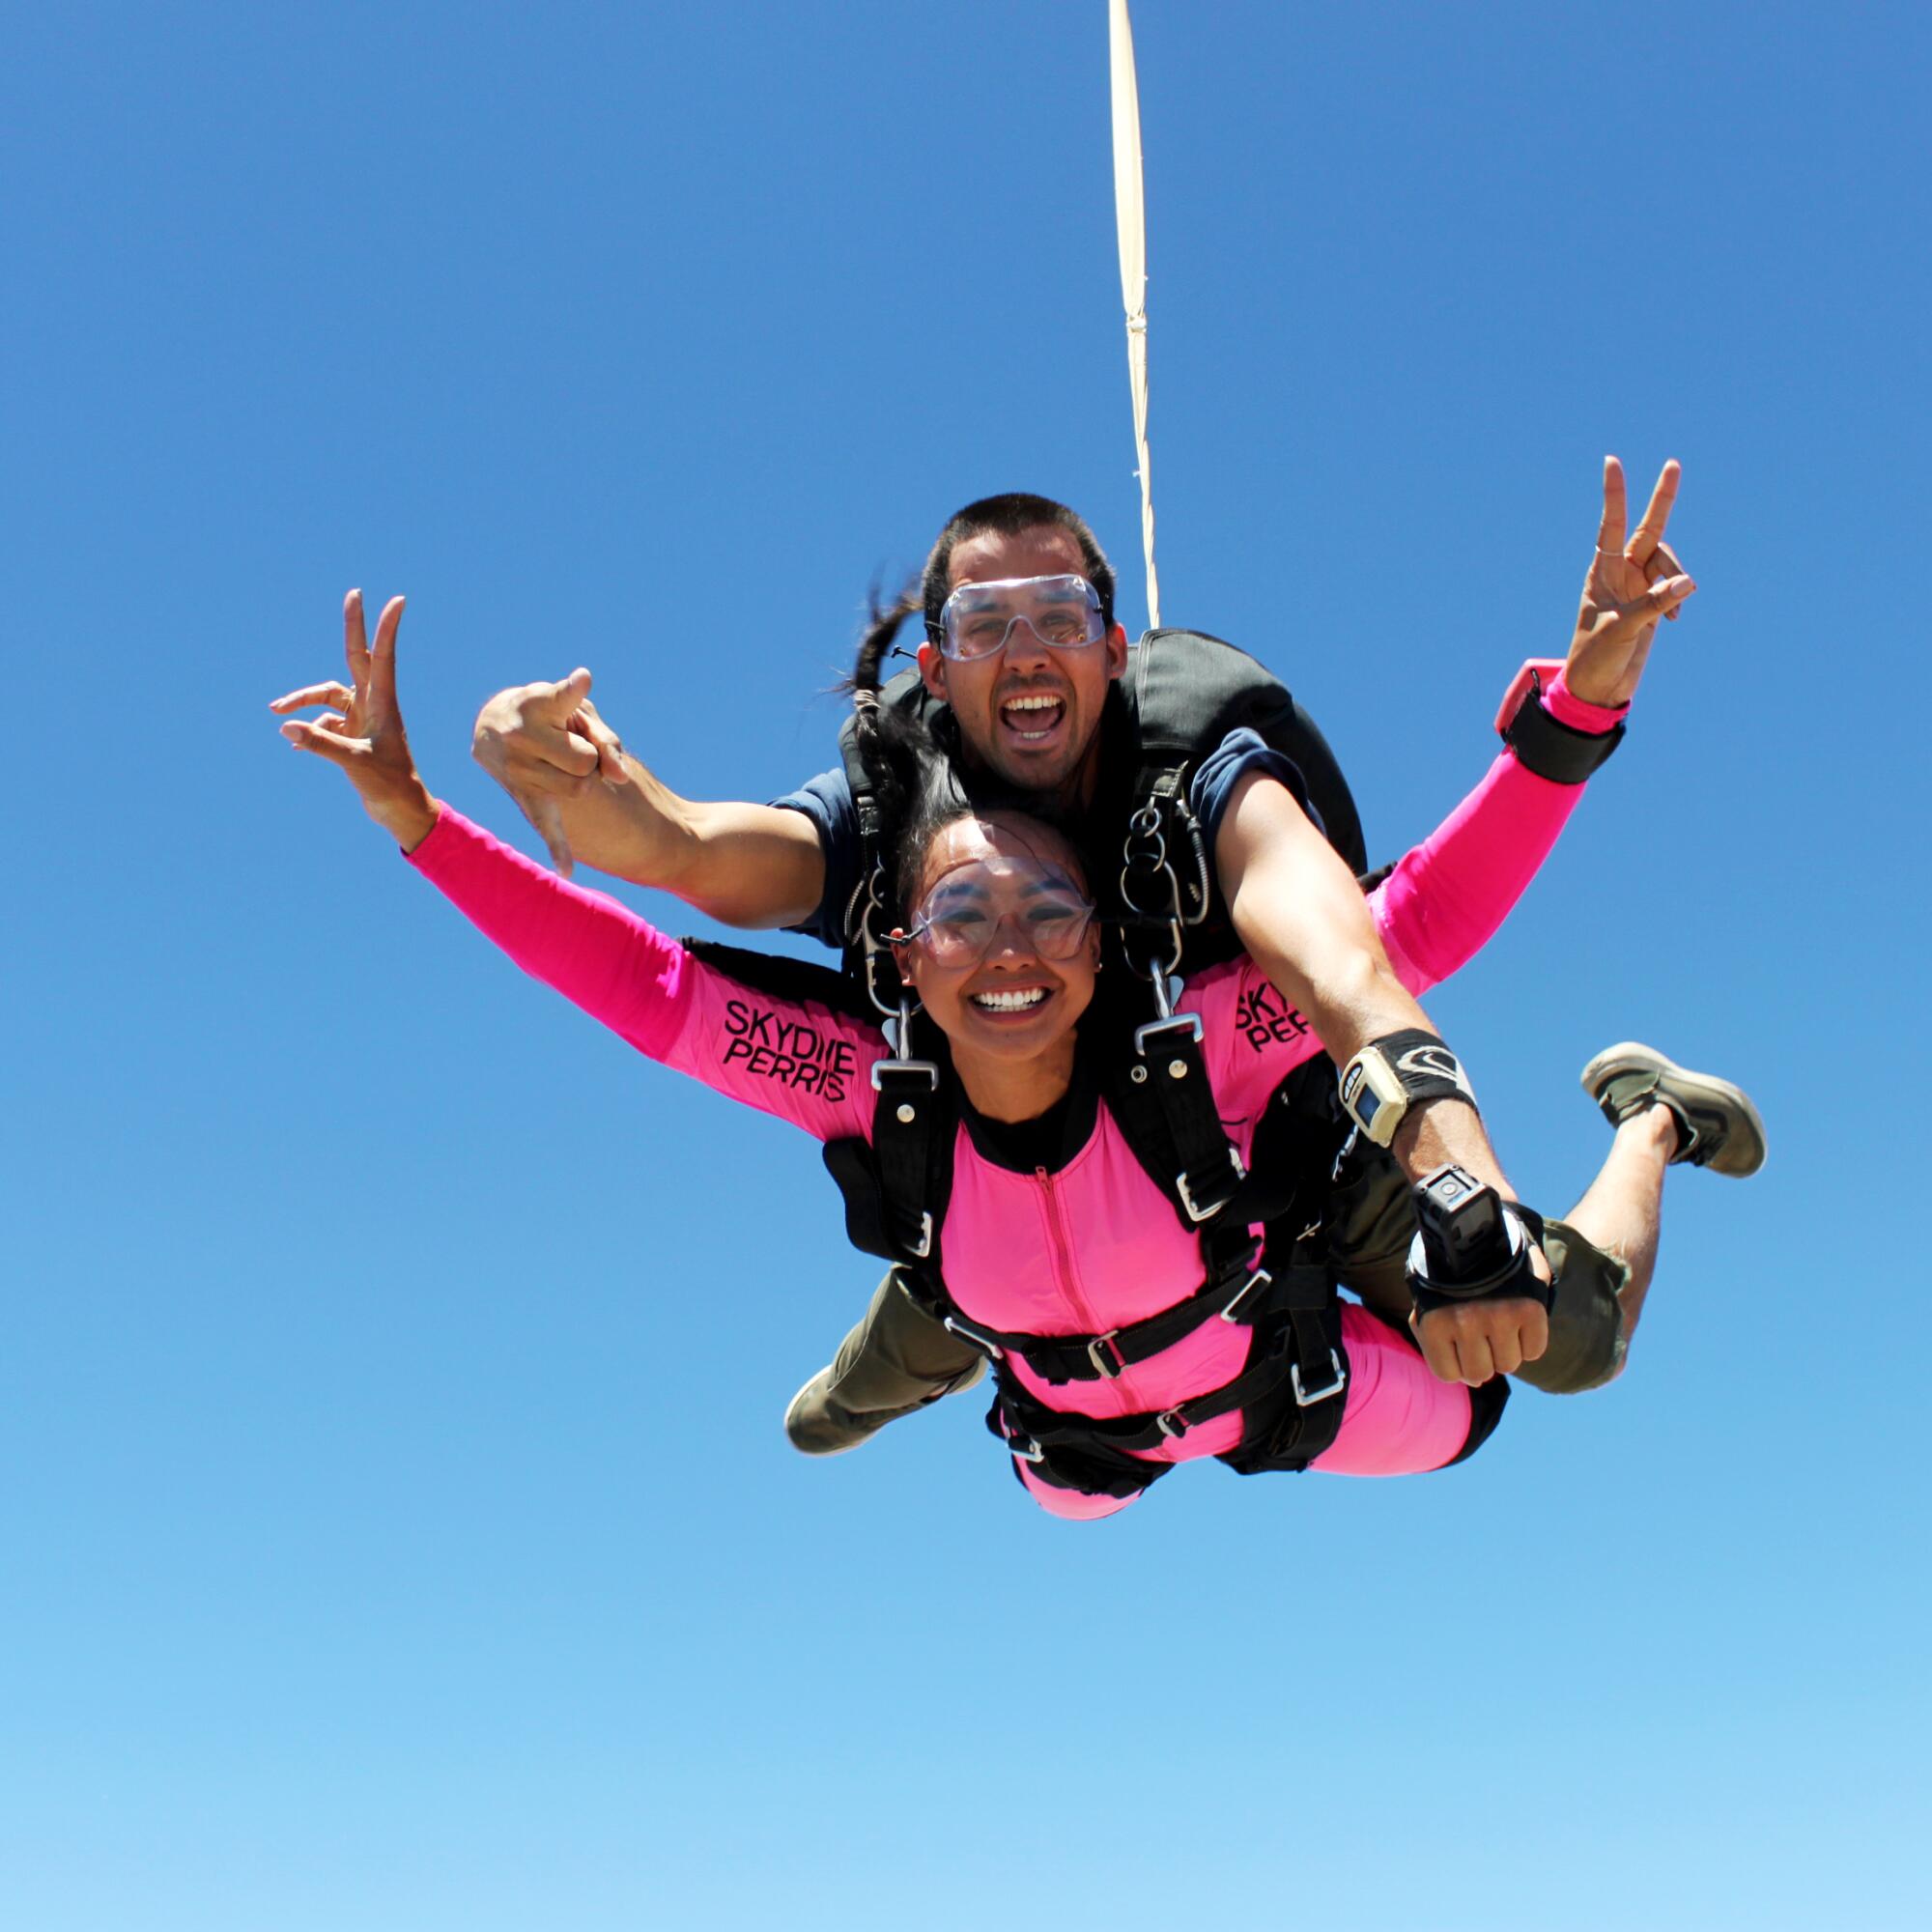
(784, 1054)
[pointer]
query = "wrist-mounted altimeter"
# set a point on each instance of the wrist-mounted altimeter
(1396, 1072)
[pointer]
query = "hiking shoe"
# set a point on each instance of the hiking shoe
(818, 1424)
(1716, 1125)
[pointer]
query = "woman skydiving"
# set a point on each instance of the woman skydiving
(1129, 1332)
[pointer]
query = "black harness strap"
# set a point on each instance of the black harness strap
(1029, 1421)
(1090, 1470)
(908, 1121)
(1165, 1110)
(1238, 1295)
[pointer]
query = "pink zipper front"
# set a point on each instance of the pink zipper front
(1063, 1256)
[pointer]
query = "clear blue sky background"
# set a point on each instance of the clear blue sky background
(395, 1526)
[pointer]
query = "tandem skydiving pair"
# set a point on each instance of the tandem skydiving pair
(1138, 1201)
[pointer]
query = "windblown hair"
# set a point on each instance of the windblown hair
(1011, 515)
(921, 784)
(920, 779)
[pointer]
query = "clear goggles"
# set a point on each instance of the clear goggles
(1063, 613)
(962, 916)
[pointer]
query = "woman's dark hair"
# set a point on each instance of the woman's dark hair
(919, 782)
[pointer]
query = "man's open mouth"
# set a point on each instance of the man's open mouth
(1033, 716)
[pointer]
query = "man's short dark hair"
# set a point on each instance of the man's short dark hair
(1013, 515)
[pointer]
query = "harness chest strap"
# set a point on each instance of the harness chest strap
(1237, 1296)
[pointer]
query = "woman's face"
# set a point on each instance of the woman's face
(1000, 899)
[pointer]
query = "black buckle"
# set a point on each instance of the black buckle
(881, 1067)
(1259, 1279)
(1306, 1398)
(1172, 1424)
(1105, 1370)
(1198, 1211)
(1187, 1023)
(973, 1335)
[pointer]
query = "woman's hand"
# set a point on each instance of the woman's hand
(362, 733)
(1632, 581)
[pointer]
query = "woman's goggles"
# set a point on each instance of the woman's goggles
(1063, 613)
(960, 919)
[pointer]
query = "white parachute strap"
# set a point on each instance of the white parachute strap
(1130, 216)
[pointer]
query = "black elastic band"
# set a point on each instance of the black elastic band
(1552, 750)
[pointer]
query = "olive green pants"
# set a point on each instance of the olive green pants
(898, 1358)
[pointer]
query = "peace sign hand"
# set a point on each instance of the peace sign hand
(1632, 581)
(362, 733)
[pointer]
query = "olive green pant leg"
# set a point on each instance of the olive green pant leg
(1372, 1221)
(898, 1359)
(1586, 1322)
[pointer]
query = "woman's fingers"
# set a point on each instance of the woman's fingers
(322, 739)
(380, 670)
(355, 640)
(331, 691)
(1662, 600)
(1649, 534)
(1616, 512)
(1664, 562)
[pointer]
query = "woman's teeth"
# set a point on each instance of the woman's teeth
(1010, 1003)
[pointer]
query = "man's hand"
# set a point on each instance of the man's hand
(1471, 1341)
(744, 864)
(545, 742)
(1631, 582)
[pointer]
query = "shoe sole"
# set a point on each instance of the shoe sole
(830, 1449)
(962, 1382)
(1743, 1153)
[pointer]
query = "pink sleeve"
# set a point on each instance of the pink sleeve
(1445, 899)
(792, 1058)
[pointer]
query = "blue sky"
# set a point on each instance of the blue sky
(397, 1528)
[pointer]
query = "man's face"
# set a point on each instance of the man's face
(1031, 712)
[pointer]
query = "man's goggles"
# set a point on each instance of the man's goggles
(978, 620)
(960, 919)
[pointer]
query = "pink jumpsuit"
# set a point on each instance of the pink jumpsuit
(1094, 1245)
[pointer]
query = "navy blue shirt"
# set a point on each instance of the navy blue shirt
(827, 801)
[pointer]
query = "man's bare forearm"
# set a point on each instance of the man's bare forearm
(1305, 924)
(743, 865)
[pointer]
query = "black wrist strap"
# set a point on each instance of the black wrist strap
(1551, 749)
(1426, 1068)
(1517, 1278)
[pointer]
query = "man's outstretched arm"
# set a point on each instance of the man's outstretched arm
(741, 864)
(1305, 924)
